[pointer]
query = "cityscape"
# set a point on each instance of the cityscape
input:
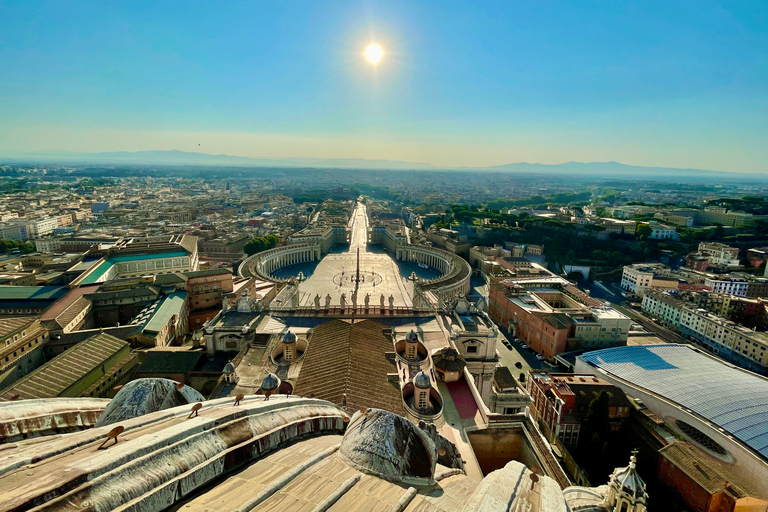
(216, 327)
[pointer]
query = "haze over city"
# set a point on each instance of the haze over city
(457, 85)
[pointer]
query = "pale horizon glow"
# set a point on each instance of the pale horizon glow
(681, 84)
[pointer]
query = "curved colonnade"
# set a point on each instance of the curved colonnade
(263, 264)
(454, 280)
(456, 272)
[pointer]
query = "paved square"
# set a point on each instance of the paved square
(379, 273)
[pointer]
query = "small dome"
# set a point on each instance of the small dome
(229, 368)
(289, 338)
(628, 481)
(270, 383)
(422, 380)
(449, 360)
(411, 337)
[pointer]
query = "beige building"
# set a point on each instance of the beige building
(21, 347)
(91, 368)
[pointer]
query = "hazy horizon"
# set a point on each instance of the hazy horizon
(652, 85)
(181, 158)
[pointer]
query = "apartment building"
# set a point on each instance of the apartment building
(725, 338)
(637, 277)
(561, 402)
(720, 254)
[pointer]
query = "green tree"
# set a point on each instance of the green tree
(256, 245)
(597, 421)
(643, 231)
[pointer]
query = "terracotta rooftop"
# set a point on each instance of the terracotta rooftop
(708, 472)
(349, 358)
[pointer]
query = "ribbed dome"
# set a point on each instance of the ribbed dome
(289, 338)
(381, 443)
(143, 396)
(229, 368)
(628, 481)
(411, 337)
(422, 380)
(270, 383)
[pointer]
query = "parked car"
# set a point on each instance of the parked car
(506, 344)
(540, 357)
(518, 364)
(525, 346)
(517, 340)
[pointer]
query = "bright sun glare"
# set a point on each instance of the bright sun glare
(373, 53)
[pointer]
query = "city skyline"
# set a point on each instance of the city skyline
(670, 86)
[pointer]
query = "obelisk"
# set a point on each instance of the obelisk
(357, 275)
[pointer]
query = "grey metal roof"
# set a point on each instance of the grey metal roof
(733, 399)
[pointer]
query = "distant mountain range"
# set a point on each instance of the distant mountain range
(174, 157)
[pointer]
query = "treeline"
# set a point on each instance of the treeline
(755, 205)
(566, 243)
(563, 198)
(7, 246)
(320, 195)
(311, 196)
(463, 213)
(261, 243)
(375, 191)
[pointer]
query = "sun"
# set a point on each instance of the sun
(373, 53)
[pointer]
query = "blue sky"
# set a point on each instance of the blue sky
(681, 84)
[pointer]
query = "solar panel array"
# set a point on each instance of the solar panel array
(733, 399)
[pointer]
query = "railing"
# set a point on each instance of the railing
(355, 311)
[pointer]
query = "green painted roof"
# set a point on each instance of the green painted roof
(209, 272)
(171, 362)
(98, 272)
(169, 307)
(155, 256)
(111, 260)
(8, 292)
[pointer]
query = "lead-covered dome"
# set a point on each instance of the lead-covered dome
(289, 338)
(422, 380)
(386, 445)
(143, 396)
(627, 482)
(270, 383)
